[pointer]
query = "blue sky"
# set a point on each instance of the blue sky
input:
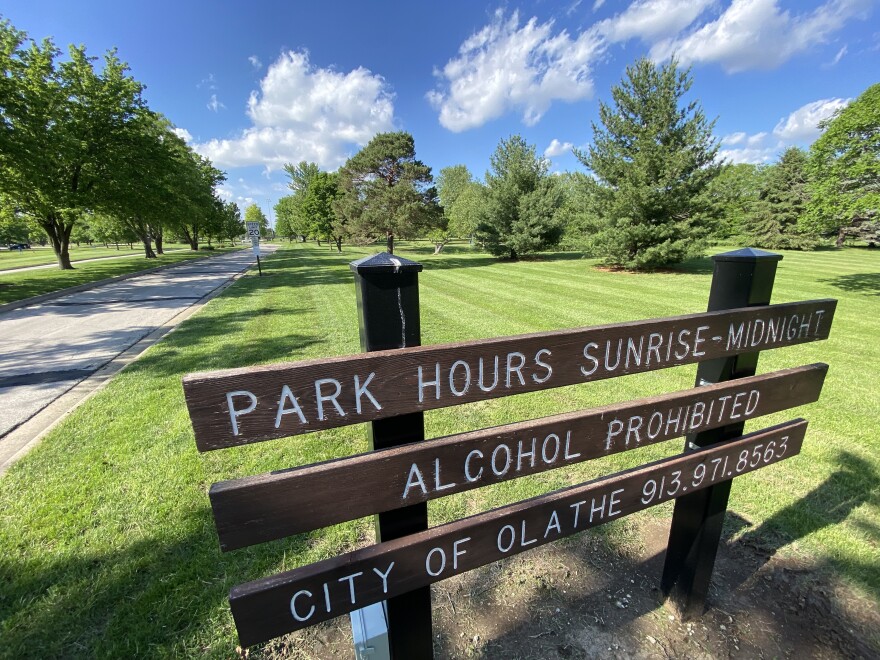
(255, 85)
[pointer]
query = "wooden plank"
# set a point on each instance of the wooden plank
(271, 506)
(240, 406)
(289, 601)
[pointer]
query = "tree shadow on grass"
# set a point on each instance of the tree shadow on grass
(868, 283)
(854, 483)
(153, 597)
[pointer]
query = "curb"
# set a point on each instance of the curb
(43, 297)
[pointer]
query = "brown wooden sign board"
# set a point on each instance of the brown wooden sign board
(271, 506)
(241, 406)
(296, 599)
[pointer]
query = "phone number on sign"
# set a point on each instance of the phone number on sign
(718, 469)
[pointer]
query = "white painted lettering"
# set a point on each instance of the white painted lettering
(414, 479)
(295, 612)
(361, 390)
(546, 366)
(287, 395)
(515, 369)
(423, 384)
(467, 378)
(594, 360)
(235, 413)
(350, 579)
(437, 484)
(320, 397)
(467, 466)
(384, 577)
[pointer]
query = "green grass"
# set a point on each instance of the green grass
(40, 255)
(18, 285)
(108, 546)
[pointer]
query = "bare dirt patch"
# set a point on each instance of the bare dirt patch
(596, 595)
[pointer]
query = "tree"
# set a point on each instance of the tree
(317, 206)
(301, 175)
(232, 225)
(452, 182)
(63, 126)
(844, 170)
(521, 202)
(732, 197)
(287, 217)
(384, 190)
(652, 159)
(781, 202)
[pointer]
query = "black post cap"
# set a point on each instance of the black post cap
(384, 262)
(747, 254)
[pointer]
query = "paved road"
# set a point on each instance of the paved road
(46, 349)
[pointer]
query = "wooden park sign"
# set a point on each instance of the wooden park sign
(390, 388)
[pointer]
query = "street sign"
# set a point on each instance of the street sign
(255, 244)
(253, 229)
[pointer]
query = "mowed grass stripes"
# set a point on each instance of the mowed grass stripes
(108, 546)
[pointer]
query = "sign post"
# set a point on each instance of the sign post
(253, 231)
(387, 290)
(742, 278)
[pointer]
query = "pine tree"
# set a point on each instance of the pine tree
(521, 202)
(651, 160)
(781, 203)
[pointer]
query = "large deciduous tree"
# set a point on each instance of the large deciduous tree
(385, 191)
(317, 206)
(62, 126)
(521, 202)
(844, 170)
(652, 157)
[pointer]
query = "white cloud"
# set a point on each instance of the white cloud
(652, 19)
(598, 5)
(214, 105)
(734, 138)
(803, 123)
(302, 112)
(557, 148)
(505, 67)
(800, 126)
(755, 156)
(255, 62)
(208, 83)
(183, 134)
(757, 34)
(837, 57)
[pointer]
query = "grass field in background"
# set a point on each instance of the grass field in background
(21, 284)
(40, 255)
(109, 548)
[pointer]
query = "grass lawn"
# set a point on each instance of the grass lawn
(108, 542)
(17, 285)
(39, 255)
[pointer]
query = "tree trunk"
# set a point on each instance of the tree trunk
(148, 248)
(390, 236)
(59, 236)
(157, 237)
(841, 236)
(339, 244)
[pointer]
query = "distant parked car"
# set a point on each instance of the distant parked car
(19, 246)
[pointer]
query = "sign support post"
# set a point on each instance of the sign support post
(253, 230)
(742, 278)
(387, 290)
